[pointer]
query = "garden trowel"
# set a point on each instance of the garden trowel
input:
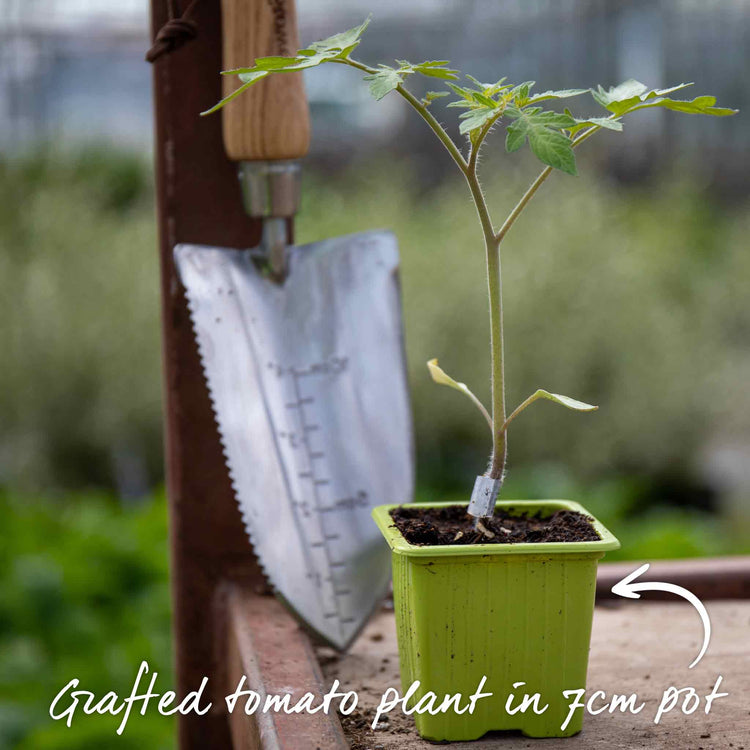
(303, 355)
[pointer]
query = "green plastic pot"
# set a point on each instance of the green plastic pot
(510, 612)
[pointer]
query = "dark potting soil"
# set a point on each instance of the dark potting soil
(451, 524)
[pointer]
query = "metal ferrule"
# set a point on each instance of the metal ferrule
(271, 192)
(483, 497)
(270, 189)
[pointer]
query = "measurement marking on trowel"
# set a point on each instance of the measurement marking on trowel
(269, 416)
(346, 503)
(316, 483)
(334, 366)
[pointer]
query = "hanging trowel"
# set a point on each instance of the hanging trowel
(303, 355)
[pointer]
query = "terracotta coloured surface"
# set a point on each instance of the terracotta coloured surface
(709, 578)
(269, 648)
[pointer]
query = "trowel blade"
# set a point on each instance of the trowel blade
(308, 384)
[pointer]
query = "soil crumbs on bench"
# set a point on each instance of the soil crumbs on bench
(452, 525)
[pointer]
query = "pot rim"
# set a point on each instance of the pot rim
(400, 546)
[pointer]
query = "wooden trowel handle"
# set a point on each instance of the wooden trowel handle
(270, 121)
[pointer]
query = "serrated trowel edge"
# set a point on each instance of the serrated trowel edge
(246, 521)
(191, 305)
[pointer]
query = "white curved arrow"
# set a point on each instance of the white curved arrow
(631, 590)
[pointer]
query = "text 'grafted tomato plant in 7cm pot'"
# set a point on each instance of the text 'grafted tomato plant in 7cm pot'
(502, 591)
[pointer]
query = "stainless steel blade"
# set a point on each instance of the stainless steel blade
(308, 384)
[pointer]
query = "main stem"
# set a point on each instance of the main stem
(495, 289)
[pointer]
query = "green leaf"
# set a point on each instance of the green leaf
(466, 94)
(476, 118)
(566, 401)
(274, 62)
(490, 89)
(615, 96)
(440, 377)
(601, 122)
(436, 69)
(514, 139)
(542, 129)
(253, 77)
(430, 97)
(561, 94)
(344, 42)
(384, 81)
(633, 95)
(554, 149)
(662, 92)
(387, 78)
(481, 86)
(484, 101)
(520, 93)
(336, 47)
(480, 99)
(555, 120)
(701, 105)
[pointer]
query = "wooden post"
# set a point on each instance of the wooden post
(198, 201)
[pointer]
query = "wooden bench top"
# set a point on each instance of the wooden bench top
(638, 647)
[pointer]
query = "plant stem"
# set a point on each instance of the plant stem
(495, 288)
(529, 194)
(438, 129)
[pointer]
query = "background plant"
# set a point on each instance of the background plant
(551, 135)
(84, 593)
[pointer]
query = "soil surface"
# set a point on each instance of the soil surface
(451, 524)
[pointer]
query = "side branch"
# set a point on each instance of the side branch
(529, 194)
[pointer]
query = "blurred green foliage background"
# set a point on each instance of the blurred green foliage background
(84, 594)
(628, 297)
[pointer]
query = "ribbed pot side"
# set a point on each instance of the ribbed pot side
(514, 613)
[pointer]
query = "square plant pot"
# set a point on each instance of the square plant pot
(515, 613)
